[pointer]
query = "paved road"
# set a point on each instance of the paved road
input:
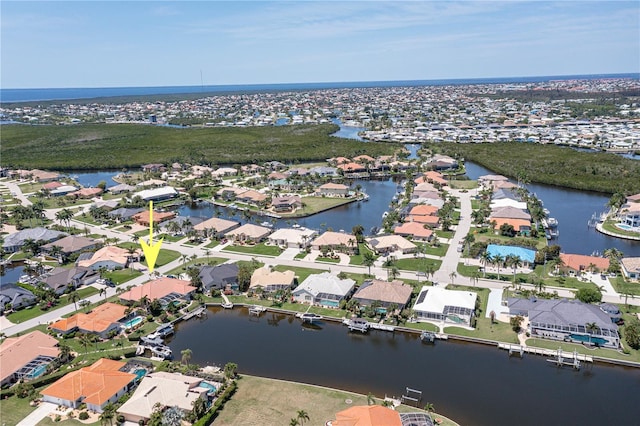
(442, 276)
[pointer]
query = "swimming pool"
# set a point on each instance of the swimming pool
(140, 373)
(208, 385)
(132, 322)
(582, 338)
(38, 371)
(626, 227)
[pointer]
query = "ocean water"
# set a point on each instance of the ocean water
(49, 94)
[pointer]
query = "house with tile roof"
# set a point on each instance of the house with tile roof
(333, 190)
(292, 237)
(142, 218)
(630, 267)
(102, 320)
(26, 357)
(249, 233)
(384, 292)
(323, 289)
(96, 386)
(72, 244)
(339, 241)
(109, 257)
(367, 415)
(216, 227)
(271, 281)
(14, 242)
(164, 289)
(385, 244)
(415, 230)
(579, 262)
(163, 389)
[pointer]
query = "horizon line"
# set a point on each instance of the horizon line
(633, 74)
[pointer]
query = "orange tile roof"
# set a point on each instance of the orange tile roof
(157, 289)
(15, 352)
(351, 167)
(95, 321)
(158, 217)
(423, 210)
(424, 219)
(516, 223)
(107, 253)
(367, 415)
(579, 262)
(96, 383)
(413, 228)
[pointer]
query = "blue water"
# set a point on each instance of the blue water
(92, 179)
(583, 338)
(140, 373)
(10, 274)
(133, 322)
(42, 94)
(208, 385)
(348, 132)
(38, 371)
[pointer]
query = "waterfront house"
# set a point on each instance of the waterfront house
(72, 244)
(85, 193)
(630, 267)
(109, 257)
(368, 415)
(124, 213)
(566, 320)
(437, 304)
(26, 357)
(14, 242)
(384, 292)
(323, 289)
(509, 212)
(292, 237)
(157, 194)
(271, 281)
(166, 290)
(333, 190)
(224, 171)
(521, 226)
(163, 389)
(385, 244)
(44, 176)
(102, 320)
(286, 203)
(15, 297)
(153, 167)
(630, 214)
(578, 263)
(121, 188)
(487, 181)
(338, 241)
(423, 210)
(527, 256)
(97, 385)
(324, 171)
(507, 202)
(441, 162)
(61, 279)
(215, 227)
(250, 196)
(61, 190)
(143, 218)
(219, 277)
(248, 233)
(417, 231)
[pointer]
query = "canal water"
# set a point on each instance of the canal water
(573, 209)
(473, 384)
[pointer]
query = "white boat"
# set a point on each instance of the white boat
(308, 316)
(267, 224)
(228, 305)
(385, 214)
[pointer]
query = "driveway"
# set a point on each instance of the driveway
(43, 410)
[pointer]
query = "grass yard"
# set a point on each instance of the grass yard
(208, 260)
(313, 205)
(120, 276)
(444, 234)
(259, 249)
(33, 312)
(463, 184)
(14, 409)
(414, 264)
(165, 256)
(570, 347)
(358, 258)
(301, 273)
(327, 259)
(440, 250)
(484, 329)
(261, 401)
(213, 244)
(623, 286)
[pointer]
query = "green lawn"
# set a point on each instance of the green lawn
(327, 259)
(269, 402)
(165, 256)
(301, 273)
(467, 270)
(463, 184)
(35, 311)
(259, 249)
(296, 307)
(313, 205)
(623, 286)
(120, 276)
(570, 347)
(440, 250)
(610, 225)
(208, 260)
(444, 234)
(417, 264)
(484, 329)
(14, 409)
(358, 258)
(213, 244)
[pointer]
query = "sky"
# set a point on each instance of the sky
(55, 44)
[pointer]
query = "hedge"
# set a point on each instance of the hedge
(211, 415)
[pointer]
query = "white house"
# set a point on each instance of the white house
(323, 289)
(451, 306)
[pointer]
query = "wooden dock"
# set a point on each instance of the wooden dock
(256, 310)
(565, 358)
(357, 324)
(199, 312)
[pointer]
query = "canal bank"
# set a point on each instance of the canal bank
(474, 384)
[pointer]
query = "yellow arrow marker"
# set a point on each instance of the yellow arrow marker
(151, 250)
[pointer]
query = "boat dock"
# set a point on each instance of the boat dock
(357, 324)
(199, 312)
(257, 310)
(560, 357)
(156, 346)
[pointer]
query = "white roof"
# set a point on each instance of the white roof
(325, 282)
(149, 194)
(292, 235)
(437, 298)
(167, 389)
(507, 202)
(388, 241)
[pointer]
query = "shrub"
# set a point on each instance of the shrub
(589, 295)
(83, 415)
(632, 333)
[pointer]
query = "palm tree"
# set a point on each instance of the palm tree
(294, 422)
(230, 370)
(303, 416)
(498, 260)
(103, 291)
(515, 263)
(429, 407)
(467, 241)
(371, 399)
(591, 327)
(85, 340)
(65, 352)
(453, 276)
(475, 277)
(485, 259)
(184, 258)
(186, 356)
(74, 297)
(368, 259)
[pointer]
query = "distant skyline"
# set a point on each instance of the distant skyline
(143, 43)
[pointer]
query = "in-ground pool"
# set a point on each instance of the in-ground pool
(132, 322)
(626, 227)
(589, 339)
(140, 373)
(38, 371)
(208, 385)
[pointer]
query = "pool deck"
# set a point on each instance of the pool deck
(600, 229)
